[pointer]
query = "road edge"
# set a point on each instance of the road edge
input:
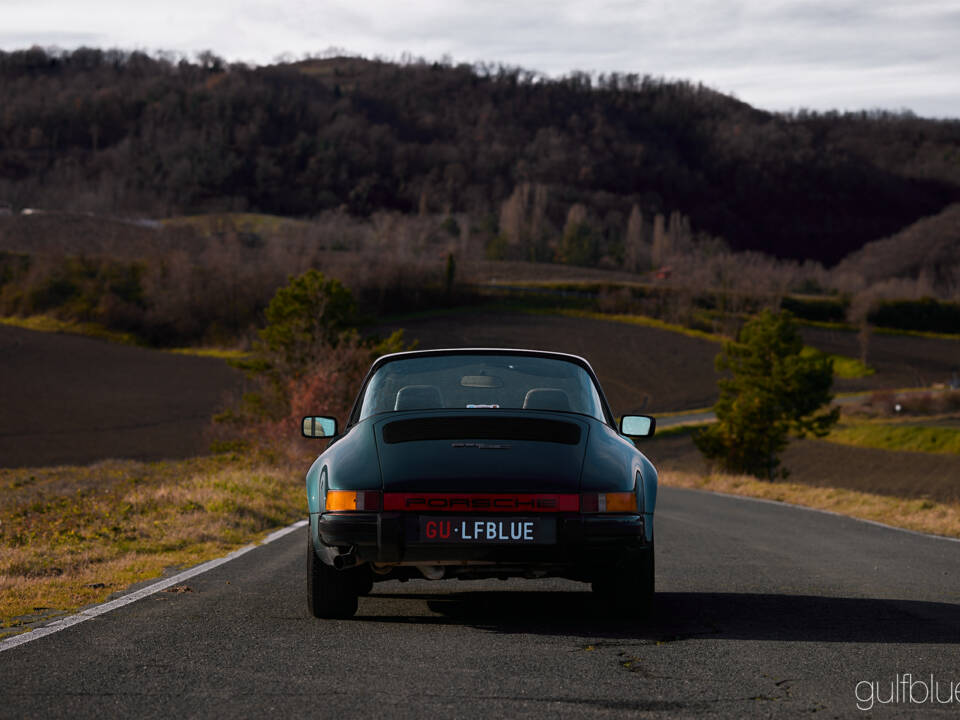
(782, 503)
(103, 608)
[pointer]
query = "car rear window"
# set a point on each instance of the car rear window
(481, 382)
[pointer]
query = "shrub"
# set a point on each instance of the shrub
(307, 361)
(308, 313)
(773, 390)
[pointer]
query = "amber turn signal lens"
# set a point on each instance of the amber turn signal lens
(339, 500)
(619, 502)
(349, 500)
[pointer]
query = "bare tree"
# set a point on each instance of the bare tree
(661, 242)
(636, 248)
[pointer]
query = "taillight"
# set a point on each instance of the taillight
(617, 502)
(352, 500)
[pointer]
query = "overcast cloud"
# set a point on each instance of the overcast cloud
(774, 54)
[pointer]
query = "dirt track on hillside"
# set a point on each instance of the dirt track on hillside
(70, 399)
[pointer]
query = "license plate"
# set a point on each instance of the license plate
(498, 531)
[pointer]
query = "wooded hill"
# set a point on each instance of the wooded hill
(132, 135)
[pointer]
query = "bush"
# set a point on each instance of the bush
(308, 313)
(308, 361)
(774, 389)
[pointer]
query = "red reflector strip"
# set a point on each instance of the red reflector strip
(590, 503)
(615, 502)
(368, 500)
(481, 502)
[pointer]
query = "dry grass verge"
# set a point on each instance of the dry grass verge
(899, 436)
(919, 514)
(71, 536)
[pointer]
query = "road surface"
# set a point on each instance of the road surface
(763, 610)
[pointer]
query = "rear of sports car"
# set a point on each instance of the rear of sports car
(467, 494)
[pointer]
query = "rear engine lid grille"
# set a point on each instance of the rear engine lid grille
(481, 428)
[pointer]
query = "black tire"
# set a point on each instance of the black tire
(363, 580)
(628, 589)
(331, 593)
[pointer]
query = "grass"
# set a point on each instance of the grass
(918, 514)
(645, 321)
(899, 436)
(847, 327)
(641, 320)
(71, 536)
(844, 367)
(219, 353)
(46, 323)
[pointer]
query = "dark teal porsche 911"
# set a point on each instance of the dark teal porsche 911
(480, 464)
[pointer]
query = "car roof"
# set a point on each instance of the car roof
(483, 351)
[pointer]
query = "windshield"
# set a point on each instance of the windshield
(482, 382)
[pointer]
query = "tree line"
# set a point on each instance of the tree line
(155, 136)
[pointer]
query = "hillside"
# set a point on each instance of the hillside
(529, 160)
(929, 249)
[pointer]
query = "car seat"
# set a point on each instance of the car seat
(418, 397)
(546, 399)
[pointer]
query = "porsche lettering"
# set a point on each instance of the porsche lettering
(420, 503)
(482, 502)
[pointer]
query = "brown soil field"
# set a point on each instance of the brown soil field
(899, 360)
(71, 399)
(824, 464)
(675, 371)
(634, 363)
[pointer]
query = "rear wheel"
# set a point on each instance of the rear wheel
(331, 593)
(363, 579)
(628, 588)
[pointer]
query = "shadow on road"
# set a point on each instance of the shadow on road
(681, 616)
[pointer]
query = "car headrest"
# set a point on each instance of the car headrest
(546, 399)
(418, 397)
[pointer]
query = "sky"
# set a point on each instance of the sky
(773, 54)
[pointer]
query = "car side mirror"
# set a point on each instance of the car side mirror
(316, 426)
(638, 425)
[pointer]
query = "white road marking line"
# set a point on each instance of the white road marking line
(156, 587)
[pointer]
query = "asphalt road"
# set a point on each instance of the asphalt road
(763, 610)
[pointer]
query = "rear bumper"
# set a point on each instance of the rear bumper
(582, 541)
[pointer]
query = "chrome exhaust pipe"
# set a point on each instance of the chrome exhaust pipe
(345, 560)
